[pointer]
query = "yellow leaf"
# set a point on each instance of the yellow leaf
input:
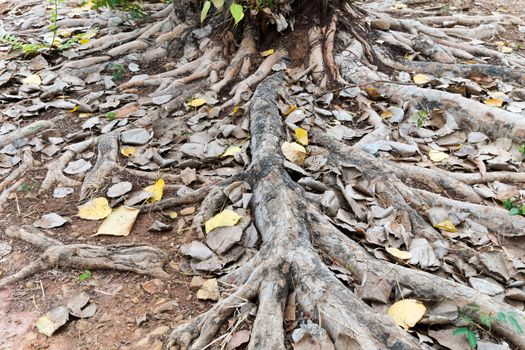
(119, 222)
(173, 215)
(294, 152)
(406, 313)
(128, 151)
(231, 151)
(386, 114)
(32, 79)
(446, 225)
(421, 79)
(156, 191)
(290, 110)
(84, 41)
(373, 93)
(226, 218)
(74, 109)
(197, 102)
(400, 254)
(500, 43)
(65, 34)
(494, 102)
(437, 156)
(236, 111)
(84, 115)
(302, 136)
(267, 53)
(96, 209)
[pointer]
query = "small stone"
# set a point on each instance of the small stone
(166, 307)
(159, 226)
(379, 24)
(196, 283)
(515, 294)
(209, 290)
(153, 286)
(187, 211)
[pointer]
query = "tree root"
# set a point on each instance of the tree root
(106, 162)
(141, 259)
(28, 130)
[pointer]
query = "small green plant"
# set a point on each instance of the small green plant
(84, 276)
(421, 118)
(53, 27)
(521, 149)
(236, 9)
(117, 69)
(484, 322)
(111, 116)
(15, 43)
(513, 206)
(28, 187)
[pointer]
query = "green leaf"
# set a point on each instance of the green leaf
(502, 316)
(84, 276)
(111, 115)
(486, 320)
(515, 324)
(205, 9)
(237, 12)
(467, 319)
(521, 149)
(218, 4)
(472, 340)
(508, 203)
(460, 330)
(515, 211)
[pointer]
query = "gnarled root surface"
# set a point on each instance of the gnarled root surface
(142, 259)
(295, 233)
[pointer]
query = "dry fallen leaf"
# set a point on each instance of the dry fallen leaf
(400, 254)
(197, 102)
(119, 222)
(267, 53)
(32, 79)
(226, 218)
(294, 152)
(386, 114)
(446, 225)
(128, 151)
(406, 313)
(96, 209)
(231, 151)
(437, 156)
(494, 102)
(302, 136)
(156, 191)
(290, 110)
(421, 79)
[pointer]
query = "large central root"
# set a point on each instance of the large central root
(291, 230)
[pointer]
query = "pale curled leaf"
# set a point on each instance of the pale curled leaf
(226, 218)
(119, 222)
(96, 209)
(294, 152)
(437, 156)
(407, 313)
(156, 190)
(400, 254)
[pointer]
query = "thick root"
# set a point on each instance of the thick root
(141, 259)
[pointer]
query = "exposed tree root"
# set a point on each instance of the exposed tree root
(141, 259)
(28, 130)
(106, 162)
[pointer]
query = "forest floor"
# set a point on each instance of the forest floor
(135, 311)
